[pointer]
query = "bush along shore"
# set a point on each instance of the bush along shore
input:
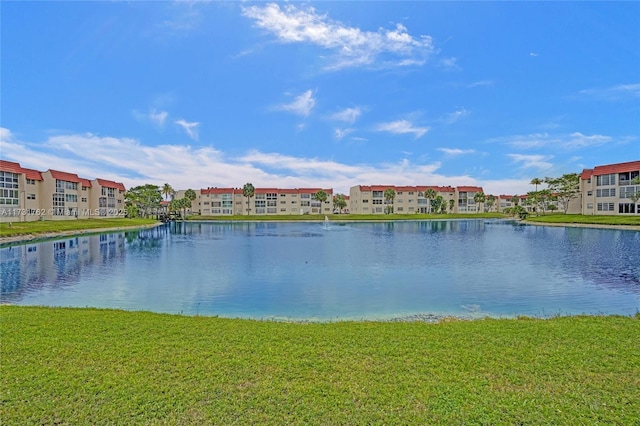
(89, 366)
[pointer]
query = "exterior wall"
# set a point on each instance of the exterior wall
(606, 189)
(408, 200)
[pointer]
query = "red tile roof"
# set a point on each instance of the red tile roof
(631, 166)
(110, 184)
(470, 189)
(32, 174)
(221, 191)
(406, 188)
(68, 177)
(12, 167)
(85, 182)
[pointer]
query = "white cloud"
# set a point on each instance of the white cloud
(613, 93)
(341, 133)
(456, 151)
(401, 127)
(154, 116)
(190, 128)
(539, 162)
(455, 116)
(571, 141)
(301, 105)
(481, 83)
(450, 64)
(351, 46)
(348, 115)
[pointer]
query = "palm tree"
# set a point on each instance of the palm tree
(389, 195)
(248, 191)
(167, 191)
(320, 196)
(339, 202)
(491, 199)
(189, 195)
(479, 198)
(514, 200)
(430, 195)
(536, 182)
(452, 204)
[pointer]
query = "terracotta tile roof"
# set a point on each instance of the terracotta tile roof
(631, 166)
(32, 174)
(470, 189)
(11, 167)
(221, 191)
(111, 184)
(85, 182)
(68, 177)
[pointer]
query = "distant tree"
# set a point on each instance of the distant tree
(536, 182)
(248, 191)
(430, 194)
(339, 202)
(491, 199)
(389, 195)
(167, 192)
(320, 196)
(635, 197)
(452, 204)
(143, 200)
(514, 200)
(539, 199)
(566, 188)
(438, 204)
(479, 198)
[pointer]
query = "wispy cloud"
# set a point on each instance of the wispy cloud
(301, 105)
(571, 141)
(191, 129)
(455, 116)
(134, 163)
(614, 93)
(154, 116)
(456, 151)
(481, 83)
(539, 162)
(449, 64)
(341, 133)
(402, 127)
(348, 115)
(351, 46)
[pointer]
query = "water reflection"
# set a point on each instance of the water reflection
(327, 271)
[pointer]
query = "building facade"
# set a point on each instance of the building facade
(31, 195)
(265, 201)
(370, 199)
(607, 190)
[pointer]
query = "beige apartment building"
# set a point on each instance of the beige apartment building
(30, 195)
(265, 201)
(369, 199)
(606, 190)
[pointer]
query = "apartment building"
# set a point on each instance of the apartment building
(30, 195)
(369, 199)
(265, 201)
(606, 190)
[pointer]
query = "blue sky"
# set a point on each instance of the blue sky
(330, 94)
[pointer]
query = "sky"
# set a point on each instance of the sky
(320, 94)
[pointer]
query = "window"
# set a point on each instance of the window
(305, 195)
(626, 208)
(609, 179)
(589, 193)
(628, 191)
(605, 207)
(31, 181)
(31, 196)
(410, 192)
(58, 204)
(365, 201)
(8, 188)
(71, 198)
(71, 185)
(377, 201)
(84, 199)
(606, 192)
(590, 206)
(377, 194)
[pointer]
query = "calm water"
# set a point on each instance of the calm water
(319, 272)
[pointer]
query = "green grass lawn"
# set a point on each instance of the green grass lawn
(349, 217)
(49, 226)
(88, 366)
(578, 218)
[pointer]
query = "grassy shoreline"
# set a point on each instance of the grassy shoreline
(89, 366)
(45, 229)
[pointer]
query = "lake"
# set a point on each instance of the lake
(334, 271)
